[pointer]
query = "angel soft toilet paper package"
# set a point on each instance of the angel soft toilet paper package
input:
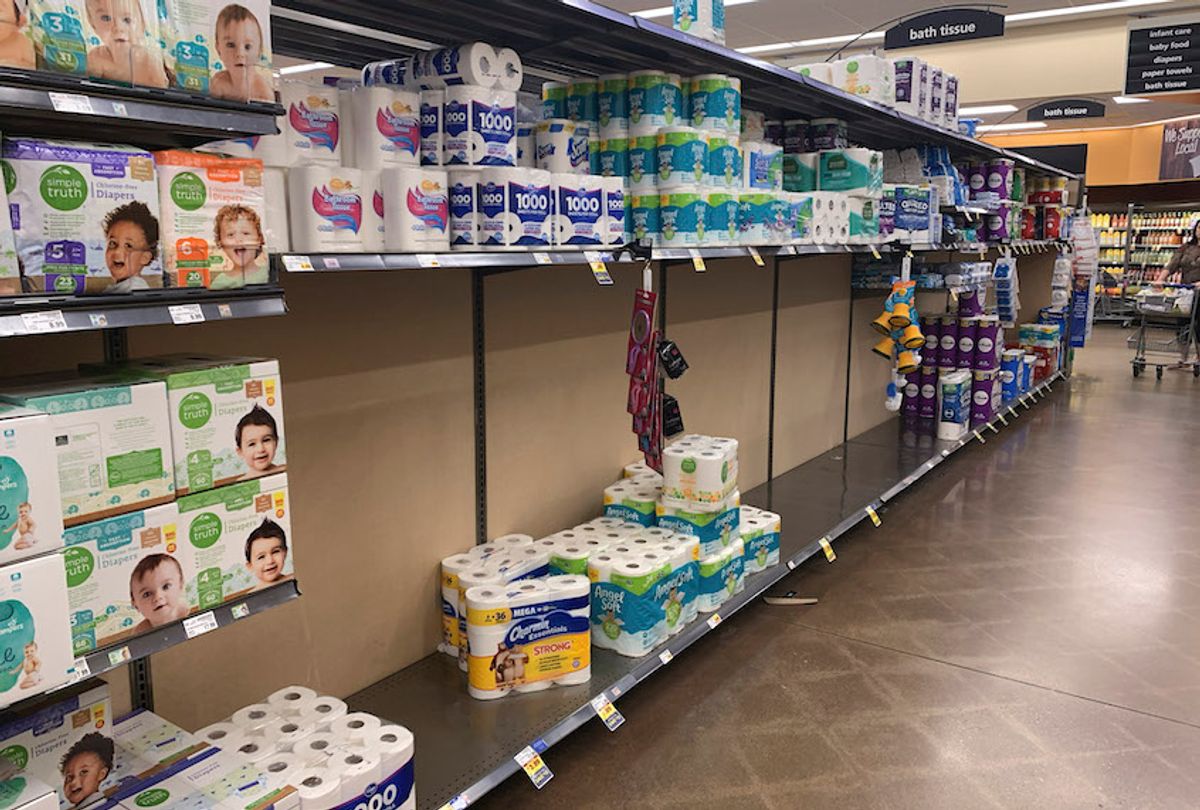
(69, 201)
(760, 531)
(722, 575)
(35, 633)
(240, 538)
(631, 502)
(714, 529)
(30, 503)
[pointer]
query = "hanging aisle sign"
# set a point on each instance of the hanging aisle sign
(1180, 156)
(1064, 109)
(1163, 56)
(951, 25)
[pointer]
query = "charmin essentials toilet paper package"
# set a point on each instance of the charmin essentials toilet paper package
(125, 576)
(85, 217)
(112, 442)
(240, 538)
(528, 636)
(759, 531)
(325, 206)
(35, 634)
(30, 503)
(220, 49)
(212, 220)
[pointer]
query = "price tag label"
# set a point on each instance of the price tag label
(459, 802)
(992, 428)
(979, 436)
(99, 320)
(534, 766)
(875, 252)
(871, 513)
(240, 611)
(118, 108)
(754, 254)
(788, 250)
(982, 253)
(81, 670)
(665, 657)
(1014, 413)
(297, 264)
(828, 549)
(945, 453)
(1024, 400)
(71, 103)
(714, 620)
(118, 657)
(331, 262)
(428, 260)
(224, 310)
(541, 258)
(186, 313)
(697, 260)
(43, 323)
(607, 712)
(201, 624)
(595, 261)
(791, 565)
(1003, 421)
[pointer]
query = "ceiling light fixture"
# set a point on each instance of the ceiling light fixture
(987, 109)
(307, 66)
(1011, 127)
(1130, 100)
(666, 11)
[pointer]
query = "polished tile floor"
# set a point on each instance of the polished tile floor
(1022, 632)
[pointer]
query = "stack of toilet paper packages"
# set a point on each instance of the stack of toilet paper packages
(700, 18)
(908, 84)
(300, 749)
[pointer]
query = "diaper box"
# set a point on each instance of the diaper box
(212, 220)
(10, 268)
(226, 416)
(112, 440)
(220, 49)
(35, 636)
(152, 740)
(23, 792)
(30, 504)
(114, 40)
(125, 575)
(84, 216)
(240, 538)
(214, 779)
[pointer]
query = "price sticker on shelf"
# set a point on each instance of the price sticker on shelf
(875, 252)
(186, 313)
(80, 669)
(428, 260)
(945, 452)
(714, 620)
(791, 565)
(297, 264)
(200, 624)
(44, 323)
(118, 657)
(459, 802)
(239, 611)
(118, 108)
(541, 257)
(224, 310)
(595, 261)
(992, 428)
(534, 766)
(697, 260)
(828, 549)
(331, 262)
(71, 103)
(1014, 413)
(979, 436)
(754, 254)
(607, 712)
(1024, 400)
(666, 657)
(871, 513)
(1003, 421)
(98, 319)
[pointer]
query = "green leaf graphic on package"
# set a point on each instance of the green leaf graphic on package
(14, 491)
(63, 188)
(152, 797)
(16, 633)
(10, 176)
(188, 191)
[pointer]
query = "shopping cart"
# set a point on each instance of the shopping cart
(1166, 326)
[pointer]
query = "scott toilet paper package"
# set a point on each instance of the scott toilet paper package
(30, 503)
(212, 220)
(85, 217)
(117, 41)
(240, 538)
(313, 115)
(220, 49)
(562, 146)
(479, 126)
(417, 211)
(325, 206)
(514, 208)
(36, 635)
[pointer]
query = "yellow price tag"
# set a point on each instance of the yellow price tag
(754, 254)
(875, 252)
(828, 549)
(874, 517)
(607, 712)
(697, 260)
(1003, 421)
(992, 428)
(533, 765)
(979, 436)
(599, 269)
(1014, 413)
(714, 620)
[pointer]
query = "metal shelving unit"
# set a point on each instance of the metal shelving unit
(468, 745)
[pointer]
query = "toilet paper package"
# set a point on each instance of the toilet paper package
(723, 168)
(699, 472)
(858, 171)
(655, 101)
(613, 157)
(583, 101)
(624, 616)
(313, 116)
(755, 225)
(715, 102)
(954, 404)
(593, 164)
(644, 218)
(803, 217)
(212, 220)
(800, 171)
(950, 102)
(562, 146)
(937, 95)
(470, 63)
(67, 200)
(760, 537)
(554, 100)
(817, 71)
(36, 635)
(125, 576)
(721, 212)
(416, 216)
(528, 636)
(913, 213)
(112, 442)
(526, 146)
(616, 210)
(479, 126)
(220, 49)
(982, 383)
(432, 106)
(643, 163)
(240, 538)
(701, 18)
(713, 530)
(867, 76)
(463, 208)
(682, 157)
(828, 133)
(325, 206)
(275, 223)
(831, 217)
(122, 44)
(720, 576)
(633, 503)
(30, 502)
(907, 77)
(386, 127)
(612, 105)
(373, 212)
(578, 204)
(763, 165)
(682, 213)
(863, 221)
(514, 208)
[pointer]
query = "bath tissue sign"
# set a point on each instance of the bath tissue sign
(945, 25)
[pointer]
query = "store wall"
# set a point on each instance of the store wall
(1116, 157)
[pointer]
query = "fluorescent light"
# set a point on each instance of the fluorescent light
(666, 11)
(770, 46)
(1011, 127)
(1130, 100)
(307, 66)
(1072, 10)
(987, 109)
(809, 43)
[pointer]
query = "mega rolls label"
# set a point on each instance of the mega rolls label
(542, 642)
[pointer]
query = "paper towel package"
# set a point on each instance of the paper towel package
(655, 101)
(325, 208)
(682, 216)
(275, 201)
(313, 117)
(416, 214)
(479, 126)
(386, 127)
(373, 226)
(30, 501)
(125, 576)
(212, 220)
(35, 632)
(114, 43)
(112, 442)
(69, 201)
(463, 209)
(240, 537)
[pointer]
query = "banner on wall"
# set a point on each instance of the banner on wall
(1180, 156)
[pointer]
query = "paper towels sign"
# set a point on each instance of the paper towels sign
(315, 119)
(341, 209)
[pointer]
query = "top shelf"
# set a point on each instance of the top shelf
(58, 106)
(574, 37)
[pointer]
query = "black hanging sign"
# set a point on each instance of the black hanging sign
(1163, 56)
(1064, 109)
(949, 25)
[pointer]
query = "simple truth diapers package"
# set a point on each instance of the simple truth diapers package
(125, 576)
(221, 49)
(115, 40)
(85, 217)
(112, 441)
(35, 636)
(240, 538)
(30, 504)
(212, 220)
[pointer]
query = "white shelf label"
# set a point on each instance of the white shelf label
(791, 565)
(43, 323)
(428, 260)
(186, 313)
(240, 611)
(71, 103)
(714, 620)
(81, 669)
(118, 657)
(297, 264)
(99, 320)
(331, 262)
(534, 766)
(118, 108)
(199, 625)
(224, 310)
(541, 258)
(607, 712)
(665, 657)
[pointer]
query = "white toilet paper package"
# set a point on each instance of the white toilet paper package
(416, 214)
(386, 127)
(699, 470)
(314, 121)
(639, 599)
(760, 532)
(714, 530)
(631, 502)
(479, 126)
(325, 206)
(514, 208)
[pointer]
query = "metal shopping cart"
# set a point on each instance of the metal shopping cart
(1166, 326)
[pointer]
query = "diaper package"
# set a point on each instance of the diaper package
(125, 576)
(147, 738)
(240, 538)
(30, 503)
(212, 220)
(114, 40)
(226, 416)
(35, 636)
(16, 39)
(69, 202)
(112, 442)
(220, 49)
(218, 779)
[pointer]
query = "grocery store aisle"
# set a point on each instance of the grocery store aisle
(1023, 630)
